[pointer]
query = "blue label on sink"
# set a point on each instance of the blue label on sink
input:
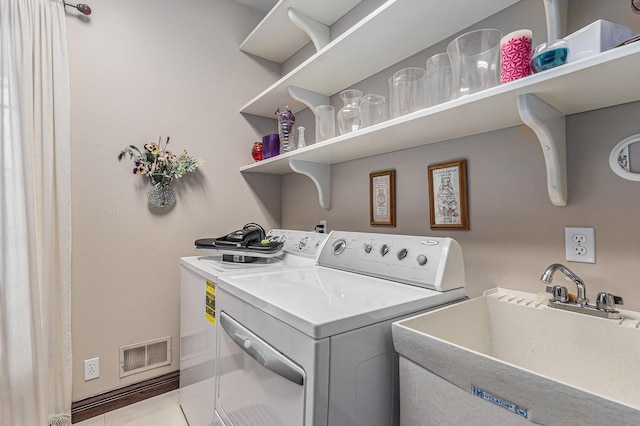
(503, 403)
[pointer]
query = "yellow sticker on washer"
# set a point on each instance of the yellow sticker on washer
(210, 302)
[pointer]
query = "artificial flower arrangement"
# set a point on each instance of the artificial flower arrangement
(160, 165)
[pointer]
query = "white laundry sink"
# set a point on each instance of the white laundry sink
(545, 365)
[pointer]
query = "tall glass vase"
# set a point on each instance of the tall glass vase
(286, 130)
(349, 114)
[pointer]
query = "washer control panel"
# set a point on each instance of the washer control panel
(302, 243)
(429, 262)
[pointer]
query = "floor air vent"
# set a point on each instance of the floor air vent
(145, 356)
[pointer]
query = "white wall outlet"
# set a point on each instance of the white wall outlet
(91, 369)
(580, 245)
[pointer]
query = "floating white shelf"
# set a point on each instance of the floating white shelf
(393, 32)
(541, 101)
(278, 37)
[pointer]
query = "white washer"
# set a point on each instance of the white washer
(313, 346)
(199, 276)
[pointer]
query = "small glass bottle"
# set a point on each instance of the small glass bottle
(301, 142)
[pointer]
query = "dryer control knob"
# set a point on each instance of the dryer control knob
(338, 247)
(367, 248)
(422, 260)
(402, 253)
(384, 250)
(247, 344)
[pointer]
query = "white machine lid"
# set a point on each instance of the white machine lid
(300, 248)
(213, 266)
(323, 302)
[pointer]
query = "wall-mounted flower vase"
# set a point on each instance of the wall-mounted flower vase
(162, 167)
(161, 194)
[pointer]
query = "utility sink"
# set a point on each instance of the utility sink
(544, 365)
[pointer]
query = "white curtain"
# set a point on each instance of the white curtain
(35, 215)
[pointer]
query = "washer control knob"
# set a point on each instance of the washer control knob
(422, 260)
(402, 253)
(367, 248)
(384, 250)
(338, 247)
(247, 344)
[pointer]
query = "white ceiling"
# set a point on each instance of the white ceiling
(261, 5)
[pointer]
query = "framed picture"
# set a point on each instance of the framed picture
(382, 198)
(448, 195)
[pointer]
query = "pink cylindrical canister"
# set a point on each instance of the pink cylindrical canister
(515, 56)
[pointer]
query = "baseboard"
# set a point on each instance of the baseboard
(112, 400)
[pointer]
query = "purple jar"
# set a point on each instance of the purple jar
(270, 145)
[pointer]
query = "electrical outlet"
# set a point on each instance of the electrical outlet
(579, 239)
(322, 227)
(91, 369)
(580, 245)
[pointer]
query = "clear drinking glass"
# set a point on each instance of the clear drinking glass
(325, 122)
(373, 110)
(408, 90)
(437, 79)
(474, 61)
(393, 111)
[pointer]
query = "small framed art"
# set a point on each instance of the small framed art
(382, 195)
(448, 195)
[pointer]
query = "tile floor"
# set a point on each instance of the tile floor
(162, 410)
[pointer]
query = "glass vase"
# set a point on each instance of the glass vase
(286, 130)
(256, 151)
(301, 141)
(161, 194)
(349, 114)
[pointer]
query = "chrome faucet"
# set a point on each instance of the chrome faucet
(606, 303)
(547, 277)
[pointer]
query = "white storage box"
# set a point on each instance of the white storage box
(595, 38)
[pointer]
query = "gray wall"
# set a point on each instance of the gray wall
(515, 232)
(140, 69)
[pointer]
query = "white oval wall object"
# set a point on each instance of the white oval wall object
(620, 156)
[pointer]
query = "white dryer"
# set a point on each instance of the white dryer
(312, 346)
(199, 276)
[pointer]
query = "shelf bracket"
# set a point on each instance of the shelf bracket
(307, 97)
(320, 174)
(549, 125)
(318, 32)
(556, 15)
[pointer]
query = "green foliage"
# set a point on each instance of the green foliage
(159, 164)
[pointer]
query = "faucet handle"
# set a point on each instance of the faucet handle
(607, 301)
(560, 293)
